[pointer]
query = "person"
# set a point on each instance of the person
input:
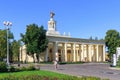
(55, 64)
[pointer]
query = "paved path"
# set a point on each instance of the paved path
(101, 70)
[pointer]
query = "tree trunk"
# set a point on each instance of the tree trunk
(38, 59)
(18, 60)
(33, 58)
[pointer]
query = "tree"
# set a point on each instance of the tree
(3, 43)
(96, 38)
(15, 46)
(91, 38)
(112, 40)
(35, 40)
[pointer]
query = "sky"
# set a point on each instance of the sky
(82, 18)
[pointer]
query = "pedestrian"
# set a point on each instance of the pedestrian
(55, 64)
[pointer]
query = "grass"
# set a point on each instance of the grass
(45, 74)
(36, 72)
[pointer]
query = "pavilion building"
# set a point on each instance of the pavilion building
(65, 48)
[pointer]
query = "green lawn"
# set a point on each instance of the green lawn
(47, 74)
(38, 72)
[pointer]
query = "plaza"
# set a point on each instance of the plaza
(101, 70)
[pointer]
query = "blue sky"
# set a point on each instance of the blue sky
(82, 18)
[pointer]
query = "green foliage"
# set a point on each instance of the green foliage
(38, 77)
(75, 62)
(91, 38)
(118, 62)
(112, 40)
(29, 68)
(3, 43)
(23, 68)
(44, 75)
(13, 69)
(3, 67)
(15, 46)
(35, 40)
(96, 38)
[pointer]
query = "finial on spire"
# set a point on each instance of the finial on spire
(52, 14)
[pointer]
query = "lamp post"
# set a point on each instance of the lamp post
(7, 24)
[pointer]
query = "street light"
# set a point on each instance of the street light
(7, 24)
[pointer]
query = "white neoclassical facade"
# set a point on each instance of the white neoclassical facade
(64, 48)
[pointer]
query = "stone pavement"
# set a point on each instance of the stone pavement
(101, 70)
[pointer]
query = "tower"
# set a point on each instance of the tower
(52, 23)
(52, 26)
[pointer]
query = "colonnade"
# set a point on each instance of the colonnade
(74, 52)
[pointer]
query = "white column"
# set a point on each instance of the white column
(89, 51)
(56, 51)
(77, 55)
(85, 53)
(74, 52)
(46, 56)
(82, 53)
(53, 51)
(103, 53)
(79, 52)
(62, 53)
(97, 49)
(65, 48)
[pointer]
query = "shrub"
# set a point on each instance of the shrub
(118, 62)
(12, 69)
(3, 67)
(29, 68)
(61, 63)
(23, 68)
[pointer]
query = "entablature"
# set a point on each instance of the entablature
(74, 40)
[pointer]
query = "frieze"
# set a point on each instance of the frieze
(72, 40)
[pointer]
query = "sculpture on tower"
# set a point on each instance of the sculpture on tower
(52, 14)
(52, 27)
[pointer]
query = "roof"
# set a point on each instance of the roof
(72, 40)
